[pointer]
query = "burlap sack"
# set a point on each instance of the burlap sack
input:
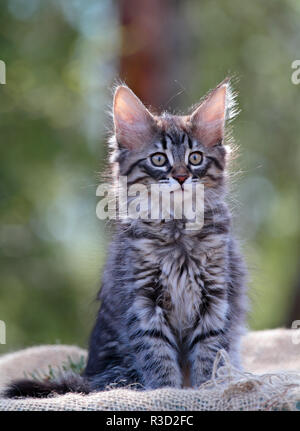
(271, 380)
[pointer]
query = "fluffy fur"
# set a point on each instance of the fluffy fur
(170, 297)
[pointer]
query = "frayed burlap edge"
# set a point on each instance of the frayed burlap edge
(229, 389)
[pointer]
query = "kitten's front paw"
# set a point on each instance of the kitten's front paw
(196, 383)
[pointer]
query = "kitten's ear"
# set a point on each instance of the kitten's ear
(134, 124)
(208, 120)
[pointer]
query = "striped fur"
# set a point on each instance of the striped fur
(170, 297)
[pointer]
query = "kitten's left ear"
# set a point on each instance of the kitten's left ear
(208, 120)
(134, 124)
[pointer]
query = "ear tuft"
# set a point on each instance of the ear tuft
(231, 102)
(134, 124)
(208, 119)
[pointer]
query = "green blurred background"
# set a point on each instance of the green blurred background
(63, 58)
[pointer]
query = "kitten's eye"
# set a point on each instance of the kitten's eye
(195, 158)
(158, 159)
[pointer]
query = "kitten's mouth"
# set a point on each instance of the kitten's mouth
(176, 185)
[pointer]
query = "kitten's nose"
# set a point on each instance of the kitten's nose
(180, 178)
(180, 174)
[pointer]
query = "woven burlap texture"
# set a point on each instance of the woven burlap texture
(229, 389)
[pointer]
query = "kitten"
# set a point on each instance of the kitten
(170, 297)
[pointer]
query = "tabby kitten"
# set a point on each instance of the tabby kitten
(170, 297)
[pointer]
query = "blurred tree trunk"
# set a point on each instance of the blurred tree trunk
(147, 48)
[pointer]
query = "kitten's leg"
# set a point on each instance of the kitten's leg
(154, 345)
(210, 334)
(202, 354)
(211, 330)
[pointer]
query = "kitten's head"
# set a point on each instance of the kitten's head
(172, 149)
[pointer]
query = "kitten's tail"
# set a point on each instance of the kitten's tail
(42, 389)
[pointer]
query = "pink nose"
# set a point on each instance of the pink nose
(180, 178)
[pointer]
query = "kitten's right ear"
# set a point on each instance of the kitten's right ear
(134, 124)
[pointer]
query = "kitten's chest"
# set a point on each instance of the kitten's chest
(182, 285)
(182, 272)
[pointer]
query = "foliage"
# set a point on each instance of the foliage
(56, 372)
(61, 58)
